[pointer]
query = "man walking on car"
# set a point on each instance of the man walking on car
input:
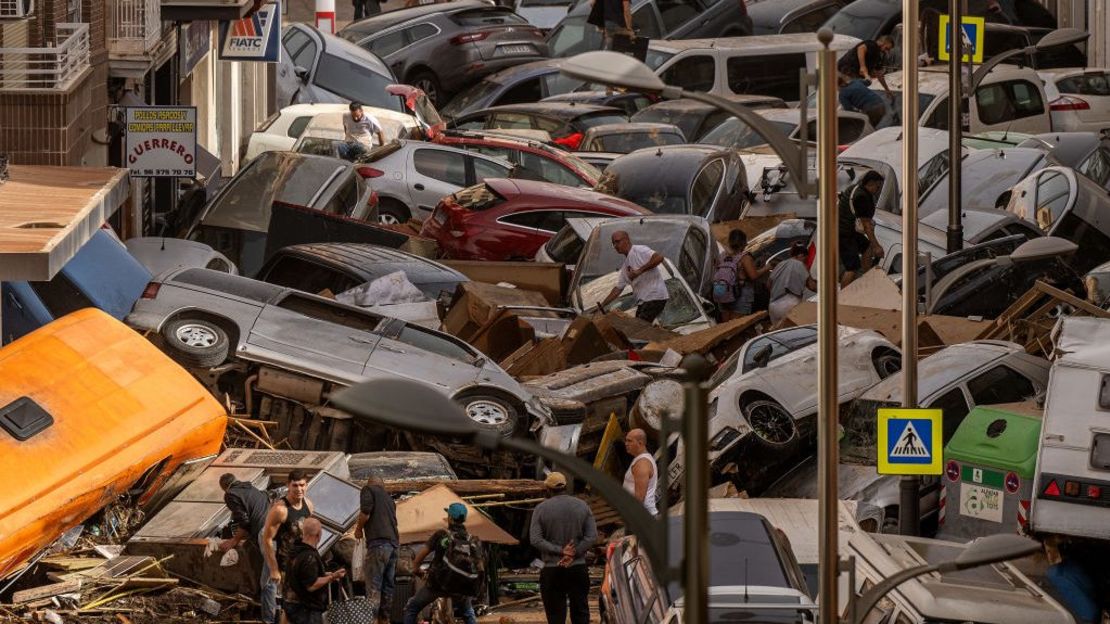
(563, 529)
(641, 271)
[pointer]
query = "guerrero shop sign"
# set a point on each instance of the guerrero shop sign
(253, 38)
(162, 141)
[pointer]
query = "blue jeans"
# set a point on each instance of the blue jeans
(1073, 587)
(379, 570)
(268, 589)
(426, 596)
(857, 96)
(351, 150)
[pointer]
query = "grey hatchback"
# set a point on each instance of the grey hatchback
(442, 48)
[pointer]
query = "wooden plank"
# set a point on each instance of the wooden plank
(468, 487)
(45, 591)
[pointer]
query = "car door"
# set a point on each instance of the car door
(387, 45)
(434, 173)
(418, 353)
(301, 51)
(705, 191)
(527, 230)
(684, 19)
(314, 336)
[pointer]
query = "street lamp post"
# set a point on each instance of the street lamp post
(955, 125)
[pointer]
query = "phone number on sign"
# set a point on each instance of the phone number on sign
(180, 173)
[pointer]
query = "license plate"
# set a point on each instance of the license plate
(440, 217)
(514, 50)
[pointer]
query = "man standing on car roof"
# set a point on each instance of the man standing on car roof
(857, 68)
(359, 130)
(249, 507)
(283, 527)
(563, 529)
(641, 271)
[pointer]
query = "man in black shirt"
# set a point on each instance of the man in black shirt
(249, 506)
(307, 577)
(377, 523)
(857, 68)
(857, 203)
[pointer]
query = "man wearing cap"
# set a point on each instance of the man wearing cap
(437, 545)
(563, 529)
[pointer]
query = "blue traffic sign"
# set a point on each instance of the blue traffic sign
(910, 441)
(974, 28)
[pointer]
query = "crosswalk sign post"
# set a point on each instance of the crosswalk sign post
(974, 30)
(910, 441)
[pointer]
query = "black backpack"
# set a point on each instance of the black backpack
(460, 569)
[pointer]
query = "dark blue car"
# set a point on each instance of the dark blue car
(101, 275)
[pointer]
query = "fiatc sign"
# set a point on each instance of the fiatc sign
(253, 38)
(162, 141)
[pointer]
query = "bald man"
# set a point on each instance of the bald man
(307, 598)
(642, 477)
(641, 271)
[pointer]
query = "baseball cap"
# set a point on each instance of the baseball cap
(456, 512)
(555, 481)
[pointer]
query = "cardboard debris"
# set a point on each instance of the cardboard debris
(717, 342)
(536, 359)
(547, 278)
(873, 289)
(752, 226)
(583, 342)
(502, 335)
(1029, 321)
(952, 330)
(422, 515)
(476, 303)
(633, 329)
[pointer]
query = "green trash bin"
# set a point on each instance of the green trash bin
(989, 466)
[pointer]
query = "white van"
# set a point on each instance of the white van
(760, 65)
(1072, 488)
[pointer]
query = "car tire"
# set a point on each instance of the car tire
(490, 413)
(393, 212)
(771, 424)
(886, 362)
(196, 343)
(427, 82)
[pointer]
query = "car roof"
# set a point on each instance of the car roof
(314, 108)
(357, 31)
(340, 47)
(768, 14)
(759, 44)
(677, 160)
(943, 368)
(684, 104)
(357, 256)
(933, 80)
(1056, 73)
(559, 110)
(632, 126)
(885, 145)
(991, 594)
(1066, 148)
(519, 189)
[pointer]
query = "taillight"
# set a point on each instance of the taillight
(468, 37)
(373, 199)
(151, 290)
(1068, 103)
(609, 550)
(370, 172)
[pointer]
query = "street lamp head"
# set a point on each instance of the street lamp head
(993, 549)
(407, 405)
(1062, 36)
(613, 69)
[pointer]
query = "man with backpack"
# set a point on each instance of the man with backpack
(734, 279)
(456, 572)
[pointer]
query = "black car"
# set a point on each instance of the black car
(701, 180)
(630, 103)
(339, 267)
(999, 38)
(557, 119)
(530, 82)
(655, 19)
(695, 119)
(443, 48)
(777, 17)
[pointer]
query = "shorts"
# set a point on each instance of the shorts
(850, 250)
(650, 310)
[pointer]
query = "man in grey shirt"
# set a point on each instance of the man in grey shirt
(563, 530)
(789, 281)
(358, 132)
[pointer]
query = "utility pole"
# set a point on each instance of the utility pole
(908, 509)
(955, 125)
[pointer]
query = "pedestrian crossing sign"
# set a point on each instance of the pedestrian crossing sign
(910, 441)
(974, 30)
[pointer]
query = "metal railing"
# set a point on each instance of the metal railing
(15, 8)
(54, 67)
(134, 26)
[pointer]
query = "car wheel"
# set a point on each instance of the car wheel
(393, 212)
(886, 362)
(426, 81)
(771, 424)
(196, 343)
(490, 413)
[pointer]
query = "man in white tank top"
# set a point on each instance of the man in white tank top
(642, 477)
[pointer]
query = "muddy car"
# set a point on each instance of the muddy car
(290, 349)
(764, 397)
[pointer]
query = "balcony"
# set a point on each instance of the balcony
(134, 27)
(55, 67)
(16, 9)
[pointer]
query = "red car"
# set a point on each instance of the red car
(535, 160)
(504, 219)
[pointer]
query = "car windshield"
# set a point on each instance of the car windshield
(680, 308)
(656, 58)
(469, 98)
(543, 3)
(352, 81)
(565, 247)
(859, 20)
(245, 202)
(893, 116)
(734, 133)
(631, 141)
(573, 36)
(601, 258)
(687, 118)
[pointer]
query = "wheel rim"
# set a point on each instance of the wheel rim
(485, 412)
(429, 89)
(194, 335)
(771, 424)
(388, 218)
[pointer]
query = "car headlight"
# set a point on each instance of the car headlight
(724, 439)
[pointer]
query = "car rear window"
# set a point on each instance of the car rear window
(767, 74)
(1093, 83)
(740, 552)
(355, 82)
(598, 119)
(487, 17)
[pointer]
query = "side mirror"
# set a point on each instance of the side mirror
(301, 73)
(762, 356)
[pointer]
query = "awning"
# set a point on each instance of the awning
(48, 213)
(191, 10)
